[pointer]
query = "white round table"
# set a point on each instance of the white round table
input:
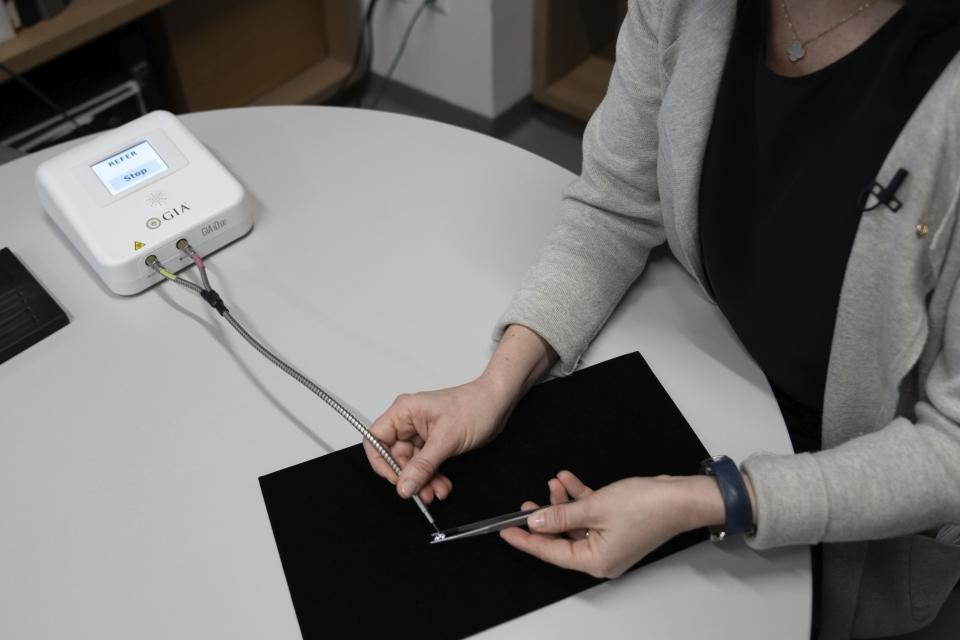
(383, 250)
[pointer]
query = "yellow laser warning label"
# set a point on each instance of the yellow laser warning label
(137, 245)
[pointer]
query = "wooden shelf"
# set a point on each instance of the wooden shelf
(313, 85)
(231, 53)
(579, 92)
(214, 53)
(573, 52)
(81, 22)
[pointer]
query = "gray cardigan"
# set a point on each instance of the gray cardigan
(890, 467)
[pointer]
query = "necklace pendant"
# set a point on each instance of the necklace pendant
(796, 51)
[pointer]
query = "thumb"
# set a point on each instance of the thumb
(561, 518)
(422, 466)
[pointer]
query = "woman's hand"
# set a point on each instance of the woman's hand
(607, 531)
(424, 429)
(421, 430)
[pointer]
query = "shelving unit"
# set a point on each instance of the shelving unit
(213, 54)
(573, 52)
(226, 53)
(81, 22)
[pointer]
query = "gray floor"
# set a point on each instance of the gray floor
(537, 135)
(543, 133)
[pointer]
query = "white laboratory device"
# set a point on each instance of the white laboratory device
(135, 191)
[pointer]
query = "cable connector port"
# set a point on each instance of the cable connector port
(151, 261)
(182, 244)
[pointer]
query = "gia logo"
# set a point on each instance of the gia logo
(170, 214)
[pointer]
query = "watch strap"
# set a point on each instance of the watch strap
(736, 500)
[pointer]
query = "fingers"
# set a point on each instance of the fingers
(423, 465)
(528, 505)
(384, 430)
(395, 429)
(558, 494)
(401, 451)
(396, 422)
(378, 464)
(438, 488)
(561, 518)
(562, 552)
(426, 494)
(442, 486)
(572, 485)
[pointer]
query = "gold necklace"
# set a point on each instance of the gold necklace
(798, 48)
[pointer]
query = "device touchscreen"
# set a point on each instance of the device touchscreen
(129, 167)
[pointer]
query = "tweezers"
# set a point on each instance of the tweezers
(490, 525)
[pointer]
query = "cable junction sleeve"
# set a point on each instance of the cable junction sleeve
(214, 300)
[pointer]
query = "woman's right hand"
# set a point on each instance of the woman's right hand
(421, 430)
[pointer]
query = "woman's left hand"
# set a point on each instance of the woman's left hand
(607, 531)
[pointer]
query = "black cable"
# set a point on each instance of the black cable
(365, 78)
(32, 88)
(399, 54)
(364, 43)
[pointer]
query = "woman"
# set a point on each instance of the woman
(748, 136)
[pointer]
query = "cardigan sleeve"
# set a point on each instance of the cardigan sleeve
(610, 216)
(901, 479)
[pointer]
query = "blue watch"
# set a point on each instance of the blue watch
(736, 500)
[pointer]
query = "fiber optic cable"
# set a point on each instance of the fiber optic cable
(185, 247)
(214, 300)
(154, 264)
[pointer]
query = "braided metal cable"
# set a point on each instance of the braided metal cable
(317, 390)
(156, 265)
(200, 267)
(330, 400)
(189, 285)
(185, 247)
(203, 278)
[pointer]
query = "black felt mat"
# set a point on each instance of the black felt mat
(357, 557)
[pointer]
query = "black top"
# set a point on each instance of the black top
(785, 164)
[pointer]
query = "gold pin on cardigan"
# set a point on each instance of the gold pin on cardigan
(922, 230)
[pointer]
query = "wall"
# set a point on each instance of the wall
(477, 56)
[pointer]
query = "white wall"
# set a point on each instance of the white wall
(477, 56)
